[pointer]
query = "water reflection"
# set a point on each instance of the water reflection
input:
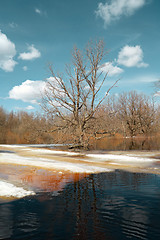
(48, 180)
(114, 205)
(38, 179)
(30, 222)
(137, 143)
(6, 221)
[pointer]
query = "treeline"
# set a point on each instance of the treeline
(131, 114)
(23, 128)
(128, 115)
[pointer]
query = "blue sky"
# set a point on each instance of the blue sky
(35, 33)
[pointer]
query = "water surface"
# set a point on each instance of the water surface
(113, 205)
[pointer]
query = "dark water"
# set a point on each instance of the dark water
(6, 151)
(115, 205)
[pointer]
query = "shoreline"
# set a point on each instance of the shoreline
(42, 169)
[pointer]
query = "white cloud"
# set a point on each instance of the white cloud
(118, 8)
(29, 107)
(58, 91)
(7, 53)
(25, 108)
(37, 10)
(28, 91)
(32, 54)
(131, 56)
(112, 70)
(33, 91)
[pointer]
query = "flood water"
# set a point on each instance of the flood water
(125, 144)
(113, 205)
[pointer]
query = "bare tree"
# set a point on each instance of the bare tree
(107, 118)
(137, 113)
(3, 118)
(74, 99)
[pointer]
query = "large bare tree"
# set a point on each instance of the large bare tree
(74, 99)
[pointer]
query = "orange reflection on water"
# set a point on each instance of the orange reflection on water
(48, 180)
(39, 179)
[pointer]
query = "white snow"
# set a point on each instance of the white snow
(10, 190)
(123, 158)
(32, 148)
(51, 164)
(47, 151)
(86, 164)
(11, 146)
(90, 157)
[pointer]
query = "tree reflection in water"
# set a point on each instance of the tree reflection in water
(6, 221)
(114, 205)
(125, 144)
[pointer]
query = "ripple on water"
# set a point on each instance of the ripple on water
(115, 205)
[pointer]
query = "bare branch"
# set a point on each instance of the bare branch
(73, 99)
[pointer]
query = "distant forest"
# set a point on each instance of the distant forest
(128, 115)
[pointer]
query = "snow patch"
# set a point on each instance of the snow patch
(51, 164)
(123, 158)
(10, 190)
(43, 151)
(53, 152)
(11, 146)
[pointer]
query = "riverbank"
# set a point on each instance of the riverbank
(36, 169)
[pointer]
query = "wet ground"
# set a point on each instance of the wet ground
(44, 169)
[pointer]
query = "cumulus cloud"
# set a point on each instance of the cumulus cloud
(32, 53)
(131, 56)
(28, 91)
(7, 53)
(111, 69)
(117, 8)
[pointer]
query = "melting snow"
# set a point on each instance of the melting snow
(114, 157)
(10, 190)
(53, 152)
(86, 164)
(51, 164)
